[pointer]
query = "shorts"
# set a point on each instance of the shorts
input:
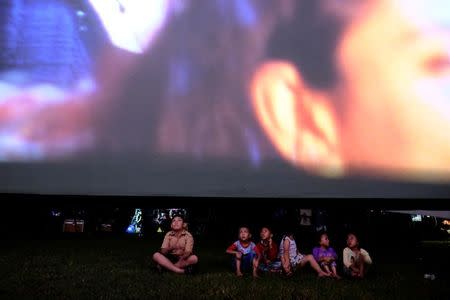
(172, 258)
(246, 262)
(296, 260)
(331, 264)
(270, 267)
(347, 272)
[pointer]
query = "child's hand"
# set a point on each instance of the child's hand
(238, 255)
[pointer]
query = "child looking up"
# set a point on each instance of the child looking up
(267, 252)
(356, 259)
(326, 256)
(291, 258)
(244, 251)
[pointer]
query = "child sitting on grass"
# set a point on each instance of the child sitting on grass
(267, 252)
(356, 259)
(291, 258)
(326, 256)
(176, 253)
(244, 251)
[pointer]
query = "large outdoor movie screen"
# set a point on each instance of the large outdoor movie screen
(329, 89)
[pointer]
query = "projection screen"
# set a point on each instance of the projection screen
(239, 97)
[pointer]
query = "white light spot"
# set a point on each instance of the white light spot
(132, 25)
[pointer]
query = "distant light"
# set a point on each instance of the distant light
(416, 218)
(130, 229)
(56, 213)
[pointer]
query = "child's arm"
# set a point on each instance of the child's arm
(165, 245)
(234, 250)
(258, 252)
(346, 255)
(366, 257)
(273, 251)
(188, 248)
(333, 254)
(286, 260)
(316, 255)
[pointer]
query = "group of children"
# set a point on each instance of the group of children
(176, 254)
(266, 256)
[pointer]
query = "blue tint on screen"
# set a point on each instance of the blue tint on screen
(253, 148)
(42, 40)
(245, 12)
(242, 11)
(13, 144)
(179, 76)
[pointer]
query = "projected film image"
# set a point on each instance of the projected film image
(330, 87)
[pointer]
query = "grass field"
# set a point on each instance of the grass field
(121, 268)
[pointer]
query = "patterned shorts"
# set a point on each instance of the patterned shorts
(296, 260)
(273, 266)
(332, 264)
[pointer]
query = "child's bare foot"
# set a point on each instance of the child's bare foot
(239, 274)
(255, 275)
(324, 274)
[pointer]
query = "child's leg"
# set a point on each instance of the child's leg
(166, 263)
(238, 266)
(191, 260)
(256, 261)
(313, 263)
(326, 268)
(361, 270)
(286, 264)
(334, 270)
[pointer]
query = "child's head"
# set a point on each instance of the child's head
(177, 223)
(323, 240)
(352, 240)
(244, 234)
(289, 234)
(266, 234)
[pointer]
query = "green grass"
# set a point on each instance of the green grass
(121, 269)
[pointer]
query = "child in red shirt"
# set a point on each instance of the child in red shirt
(267, 252)
(244, 251)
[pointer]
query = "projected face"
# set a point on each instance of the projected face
(398, 115)
(388, 112)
